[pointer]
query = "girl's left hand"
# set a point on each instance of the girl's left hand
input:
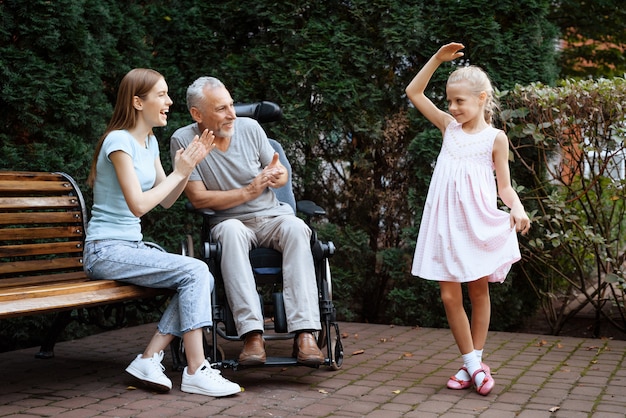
(520, 220)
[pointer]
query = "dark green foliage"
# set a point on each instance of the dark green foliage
(60, 63)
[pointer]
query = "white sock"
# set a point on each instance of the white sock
(479, 353)
(472, 364)
(462, 375)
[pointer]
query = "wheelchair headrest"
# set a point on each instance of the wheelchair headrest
(261, 111)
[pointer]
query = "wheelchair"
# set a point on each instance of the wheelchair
(267, 268)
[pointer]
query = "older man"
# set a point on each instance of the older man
(236, 181)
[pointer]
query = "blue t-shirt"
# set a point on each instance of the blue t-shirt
(110, 216)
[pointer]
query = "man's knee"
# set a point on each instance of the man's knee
(229, 229)
(295, 227)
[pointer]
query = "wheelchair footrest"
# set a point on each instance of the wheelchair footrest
(270, 362)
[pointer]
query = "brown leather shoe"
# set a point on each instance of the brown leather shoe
(253, 352)
(306, 351)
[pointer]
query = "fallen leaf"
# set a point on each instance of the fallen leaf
(554, 409)
(354, 353)
(383, 340)
(131, 388)
(407, 355)
(396, 391)
(345, 335)
(356, 336)
(322, 391)
(559, 345)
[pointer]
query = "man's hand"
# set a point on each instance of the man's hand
(274, 172)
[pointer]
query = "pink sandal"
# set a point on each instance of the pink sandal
(486, 385)
(459, 384)
(456, 383)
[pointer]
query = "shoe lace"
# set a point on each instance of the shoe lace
(157, 358)
(210, 372)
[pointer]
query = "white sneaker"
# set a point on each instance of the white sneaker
(208, 381)
(150, 372)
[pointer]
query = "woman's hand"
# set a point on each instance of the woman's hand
(186, 159)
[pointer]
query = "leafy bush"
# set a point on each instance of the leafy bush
(569, 145)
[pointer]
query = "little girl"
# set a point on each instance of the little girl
(463, 236)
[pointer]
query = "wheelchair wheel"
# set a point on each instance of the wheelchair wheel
(186, 246)
(329, 334)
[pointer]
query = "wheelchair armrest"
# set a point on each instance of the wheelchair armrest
(261, 111)
(201, 211)
(310, 208)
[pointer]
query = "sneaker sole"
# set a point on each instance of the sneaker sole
(150, 384)
(199, 391)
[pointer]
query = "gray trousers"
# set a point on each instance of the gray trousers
(287, 234)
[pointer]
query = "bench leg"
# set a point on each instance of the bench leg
(61, 320)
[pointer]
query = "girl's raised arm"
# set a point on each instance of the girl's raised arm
(415, 89)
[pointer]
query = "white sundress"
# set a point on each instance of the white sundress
(463, 235)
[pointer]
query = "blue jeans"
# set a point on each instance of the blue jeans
(139, 264)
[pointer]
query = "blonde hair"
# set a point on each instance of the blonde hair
(479, 82)
(137, 82)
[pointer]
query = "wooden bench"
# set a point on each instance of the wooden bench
(42, 230)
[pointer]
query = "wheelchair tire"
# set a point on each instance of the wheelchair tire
(280, 316)
(331, 336)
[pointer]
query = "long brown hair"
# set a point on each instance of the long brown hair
(137, 82)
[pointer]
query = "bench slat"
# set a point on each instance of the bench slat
(30, 176)
(39, 202)
(72, 276)
(12, 234)
(58, 263)
(35, 186)
(54, 289)
(29, 218)
(23, 250)
(93, 295)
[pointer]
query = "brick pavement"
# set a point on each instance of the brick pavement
(387, 372)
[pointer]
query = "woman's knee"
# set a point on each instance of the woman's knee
(200, 271)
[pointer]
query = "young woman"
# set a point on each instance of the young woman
(464, 237)
(128, 181)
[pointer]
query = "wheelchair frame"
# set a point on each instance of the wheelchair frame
(328, 338)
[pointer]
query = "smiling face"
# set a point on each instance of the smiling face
(216, 112)
(155, 105)
(463, 103)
